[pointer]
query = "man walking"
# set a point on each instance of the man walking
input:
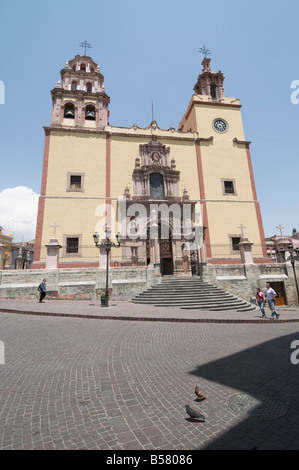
(43, 290)
(271, 294)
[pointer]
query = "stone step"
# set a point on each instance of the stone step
(175, 300)
(191, 293)
(185, 289)
(184, 302)
(185, 294)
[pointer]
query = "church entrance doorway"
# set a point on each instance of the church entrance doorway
(165, 257)
(166, 261)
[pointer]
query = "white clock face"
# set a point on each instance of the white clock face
(220, 125)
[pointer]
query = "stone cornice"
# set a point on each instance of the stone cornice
(241, 142)
(109, 131)
(79, 93)
(74, 73)
(216, 103)
(205, 139)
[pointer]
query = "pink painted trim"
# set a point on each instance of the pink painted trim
(238, 261)
(224, 261)
(41, 202)
(257, 205)
(202, 196)
(264, 261)
(39, 228)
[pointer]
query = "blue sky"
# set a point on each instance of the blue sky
(149, 51)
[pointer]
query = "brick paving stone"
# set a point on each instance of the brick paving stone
(79, 383)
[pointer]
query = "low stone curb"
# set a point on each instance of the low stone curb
(150, 319)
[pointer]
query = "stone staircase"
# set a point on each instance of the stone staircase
(191, 293)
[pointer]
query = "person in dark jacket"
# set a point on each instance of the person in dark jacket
(43, 290)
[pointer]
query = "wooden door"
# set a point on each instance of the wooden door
(278, 286)
(166, 256)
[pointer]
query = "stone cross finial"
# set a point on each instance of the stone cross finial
(281, 229)
(242, 229)
(55, 226)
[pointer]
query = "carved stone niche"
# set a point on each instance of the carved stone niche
(154, 177)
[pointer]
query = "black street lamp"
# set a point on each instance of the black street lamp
(108, 244)
(292, 259)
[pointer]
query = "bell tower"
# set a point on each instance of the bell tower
(210, 83)
(79, 99)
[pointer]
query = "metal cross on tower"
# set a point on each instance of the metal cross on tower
(86, 45)
(204, 51)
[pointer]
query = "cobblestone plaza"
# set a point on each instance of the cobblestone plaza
(115, 384)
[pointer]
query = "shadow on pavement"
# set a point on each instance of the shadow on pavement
(265, 400)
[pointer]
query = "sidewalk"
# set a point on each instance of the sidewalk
(125, 310)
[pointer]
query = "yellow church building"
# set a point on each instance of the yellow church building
(178, 197)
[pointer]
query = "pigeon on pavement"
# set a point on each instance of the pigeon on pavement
(194, 414)
(199, 394)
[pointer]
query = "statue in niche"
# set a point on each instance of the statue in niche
(156, 157)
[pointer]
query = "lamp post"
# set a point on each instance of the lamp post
(292, 259)
(108, 244)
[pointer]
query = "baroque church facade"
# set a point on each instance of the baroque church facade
(148, 183)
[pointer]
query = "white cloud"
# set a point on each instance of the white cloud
(18, 212)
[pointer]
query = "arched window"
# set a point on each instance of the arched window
(156, 186)
(90, 113)
(213, 91)
(89, 88)
(83, 67)
(74, 85)
(69, 111)
(91, 69)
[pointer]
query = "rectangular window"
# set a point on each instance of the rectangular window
(72, 245)
(228, 187)
(235, 243)
(75, 182)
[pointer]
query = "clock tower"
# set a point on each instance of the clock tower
(225, 174)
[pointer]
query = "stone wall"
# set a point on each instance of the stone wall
(242, 280)
(124, 283)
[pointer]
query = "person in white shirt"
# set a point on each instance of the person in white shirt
(271, 294)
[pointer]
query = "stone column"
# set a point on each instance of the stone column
(53, 248)
(282, 245)
(20, 260)
(103, 257)
(2, 254)
(27, 262)
(246, 251)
